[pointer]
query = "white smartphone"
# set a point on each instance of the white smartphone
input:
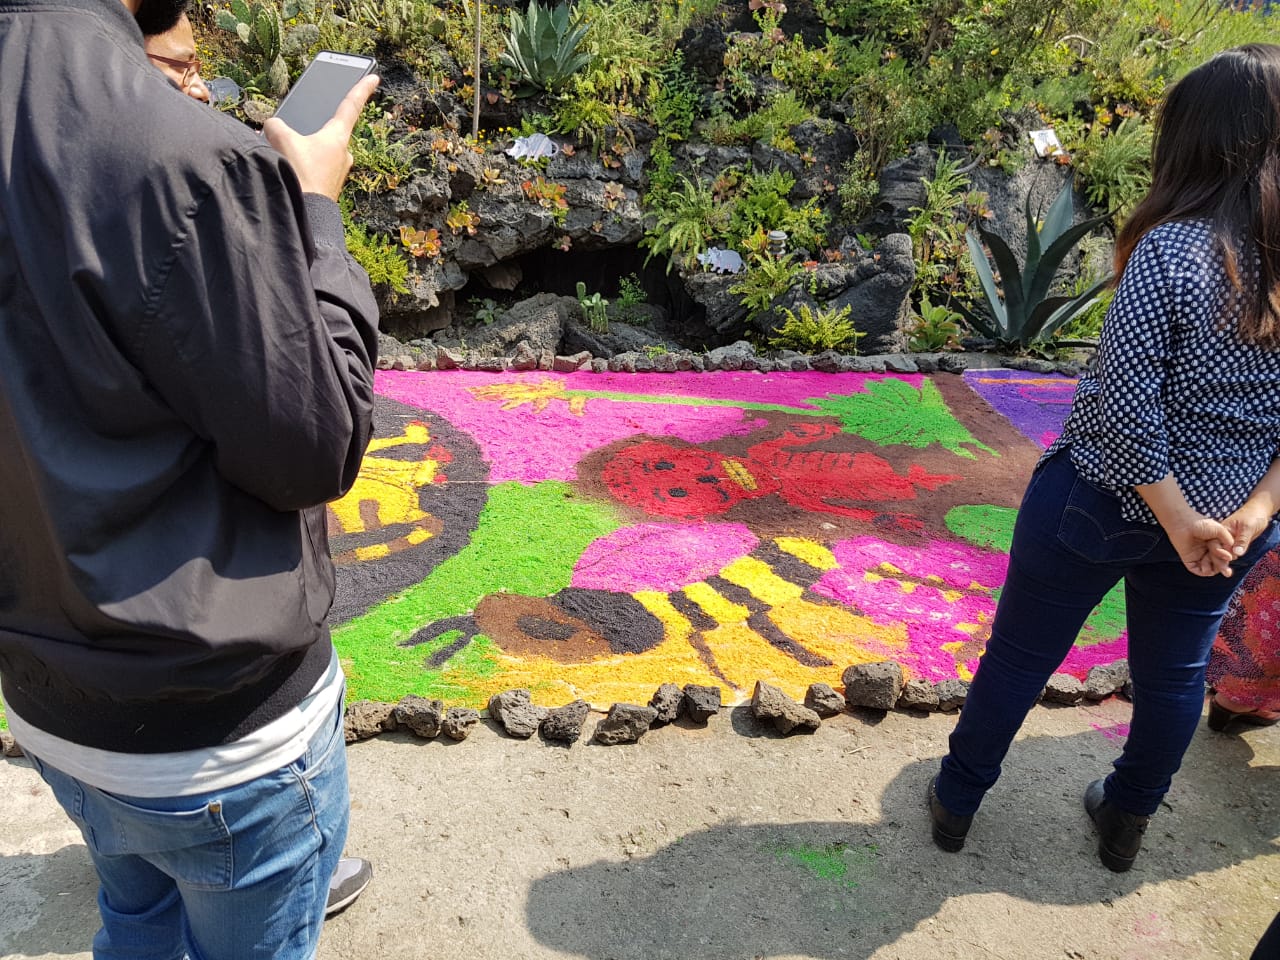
(312, 101)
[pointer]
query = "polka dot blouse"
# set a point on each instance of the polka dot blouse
(1174, 390)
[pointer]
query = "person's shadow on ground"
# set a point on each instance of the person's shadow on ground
(845, 889)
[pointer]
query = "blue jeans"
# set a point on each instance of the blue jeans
(239, 873)
(1070, 547)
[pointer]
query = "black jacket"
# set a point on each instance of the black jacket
(186, 354)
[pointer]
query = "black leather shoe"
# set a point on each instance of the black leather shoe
(949, 830)
(1119, 833)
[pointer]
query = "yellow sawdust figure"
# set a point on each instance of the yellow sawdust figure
(539, 395)
(385, 494)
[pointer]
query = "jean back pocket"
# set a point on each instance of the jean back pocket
(1092, 528)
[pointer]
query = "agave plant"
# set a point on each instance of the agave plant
(542, 45)
(1026, 313)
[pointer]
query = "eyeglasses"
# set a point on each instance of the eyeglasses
(190, 68)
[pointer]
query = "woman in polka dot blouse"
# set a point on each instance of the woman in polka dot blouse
(1166, 474)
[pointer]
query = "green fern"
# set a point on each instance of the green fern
(815, 331)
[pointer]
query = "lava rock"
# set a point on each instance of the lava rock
(447, 359)
(875, 685)
(459, 722)
(879, 293)
(9, 746)
(952, 693)
(1063, 688)
(770, 703)
(1105, 679)
(366, 718)
(823, 700)
(918, 694)
(625, 723)
(736, 356)
(827, 362)
(666, 700)
(700, 703)
(564, 724)
(900, 363)
(525, 358)
(420, 716)
(572, 363)
(517, 713)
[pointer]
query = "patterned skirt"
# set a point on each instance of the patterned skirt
(1245, 662)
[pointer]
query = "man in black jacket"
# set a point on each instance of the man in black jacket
(186, 357)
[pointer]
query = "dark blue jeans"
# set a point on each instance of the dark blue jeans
(1070, 547)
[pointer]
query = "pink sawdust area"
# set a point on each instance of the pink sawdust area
(594, 535)
(506, 441)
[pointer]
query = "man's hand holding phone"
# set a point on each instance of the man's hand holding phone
(323, 159)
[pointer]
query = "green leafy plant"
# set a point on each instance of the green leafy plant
(1026, 313)
(411, 25)
(631, 293)
(761, 202)
(814, 331)
(542, 45)
(378, 162)
(486, 310)
(594, 309)
(1116, 166)
(936, 327)
(936, 233)
(379, 258)
(772, 123)
(687, 220)
(858, 188)
(765, 279)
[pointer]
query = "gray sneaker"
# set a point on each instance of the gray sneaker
(348, 882)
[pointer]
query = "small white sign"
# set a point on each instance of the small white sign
(1046, 143)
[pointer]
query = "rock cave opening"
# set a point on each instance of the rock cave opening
(603, 271)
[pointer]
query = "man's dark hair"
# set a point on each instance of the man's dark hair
(159, 16)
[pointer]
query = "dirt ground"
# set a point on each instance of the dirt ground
(728, 843)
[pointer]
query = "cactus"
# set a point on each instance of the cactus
(594, 308)
(260, 28)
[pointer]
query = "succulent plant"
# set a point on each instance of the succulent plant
(1026, 314)
(542, 46)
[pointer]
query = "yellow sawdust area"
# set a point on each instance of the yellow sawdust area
(740, 654)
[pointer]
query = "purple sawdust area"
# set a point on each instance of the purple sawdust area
(1035, 403)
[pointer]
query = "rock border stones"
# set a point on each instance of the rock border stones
(426, 355)
(876, 685)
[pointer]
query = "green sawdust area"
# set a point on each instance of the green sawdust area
(894, 412)
(555, 529)
(837, 862)
(888, 412)
(991, 527)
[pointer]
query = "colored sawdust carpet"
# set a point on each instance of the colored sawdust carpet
(594, 535)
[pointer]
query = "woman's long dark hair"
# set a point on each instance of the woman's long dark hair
(1217, 157)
